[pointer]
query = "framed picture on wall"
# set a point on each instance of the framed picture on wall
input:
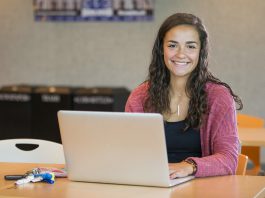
(93, 10)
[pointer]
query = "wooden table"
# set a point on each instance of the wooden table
(252, 136)
(223, 186)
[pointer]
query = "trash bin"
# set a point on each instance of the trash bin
(100, 99)
(15, 111)
(46, 102)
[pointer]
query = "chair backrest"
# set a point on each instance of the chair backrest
(253, 152)
(248, 121)
(31, 151)
(242, 164)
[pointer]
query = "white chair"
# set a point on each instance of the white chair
(41, 151)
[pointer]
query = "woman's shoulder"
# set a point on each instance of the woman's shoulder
(137, 97)
(214, 89)
(218, 93)
(140, 89)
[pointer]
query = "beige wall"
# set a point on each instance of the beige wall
(118, 53)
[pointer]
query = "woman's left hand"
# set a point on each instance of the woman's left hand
(181, 169)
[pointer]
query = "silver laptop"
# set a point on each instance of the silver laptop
(116, 147)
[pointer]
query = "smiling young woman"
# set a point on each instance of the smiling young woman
(181, 48)
(198, 109)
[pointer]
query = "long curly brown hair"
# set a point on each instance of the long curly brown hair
(158, 99)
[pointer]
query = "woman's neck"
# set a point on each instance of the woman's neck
(179, 101)
(177, 86)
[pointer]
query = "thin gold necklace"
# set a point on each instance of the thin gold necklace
(178, 107)
(177, 111)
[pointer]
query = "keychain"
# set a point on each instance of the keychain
(46, 177)
(38, 174)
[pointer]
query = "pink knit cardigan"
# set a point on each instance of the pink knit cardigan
(219, 137)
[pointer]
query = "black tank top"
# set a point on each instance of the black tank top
(181, 144)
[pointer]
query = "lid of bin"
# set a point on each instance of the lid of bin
(95, 91)
(52, 90)
(16, 89)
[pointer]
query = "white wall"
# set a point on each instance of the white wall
(118, 53)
